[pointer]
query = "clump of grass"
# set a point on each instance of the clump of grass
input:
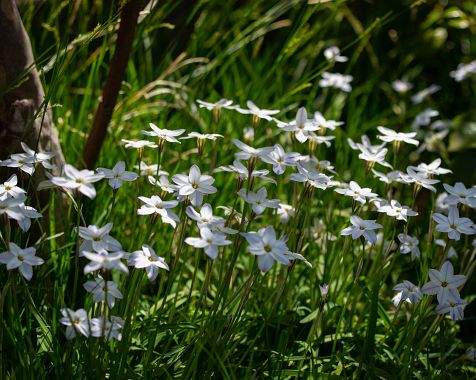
(268, 243)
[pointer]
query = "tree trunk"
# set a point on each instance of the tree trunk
(23, 115)
(125, 39)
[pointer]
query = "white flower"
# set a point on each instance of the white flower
(267, 247)
(317, 139)
(258, 112)
(11, 207)
(311, 177)
(375, 157)
(333, 54)
(401, 86)
(424, 118)
(280, 159)
(15, 208)
(360, 194)
(201, 136)
(419, 179)
(453, 225)
(27, 161)
(361, 227)
(313, 164)
(80, 180)
(433, 142)
(22, 161)
(27, 213)
(206, 219)
(109, 328)
(75, 321)
(258, 200)
(301, 127)
(163, 183)
(336, 80)
(444, 283)
(463, 71)
(247, 152)
(21, 259)
(326, 124)
(195, 185)
(395, 209)
(97, 239)
(139, 144)
(38, 157)
(201, 139)
(409, 291)
(164, 134)
(222, 103)
(155, 205)
(149, 170)
(107, 261)
(420, 96)
(9, 189)
(209, 241)
(285, 212)
(243, 173)
(459, 194)
(103, 291)
(389, 135)
(146, 258)
(455, 308)
(429, 170)
(118, 174)
(365, 145)
(409, 244)
(392, 176)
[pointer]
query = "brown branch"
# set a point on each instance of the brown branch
(125, 38)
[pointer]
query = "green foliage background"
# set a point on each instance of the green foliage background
(270, 52)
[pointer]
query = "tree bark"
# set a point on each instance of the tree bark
(23, 116)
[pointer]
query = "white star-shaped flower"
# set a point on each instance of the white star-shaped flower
(361, 227)
(164, 134)
(258, 200)
(147, 259)
(389, 135)
(118, 174)
(258, 112)
(460, 194)
(444, 283)
(209, 241)
(21, 259)
(155, 205)
(195, 185)
(409, 291)
(80, 180)
(453, 225)
(360, 194)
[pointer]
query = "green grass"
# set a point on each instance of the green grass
(223, 318)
